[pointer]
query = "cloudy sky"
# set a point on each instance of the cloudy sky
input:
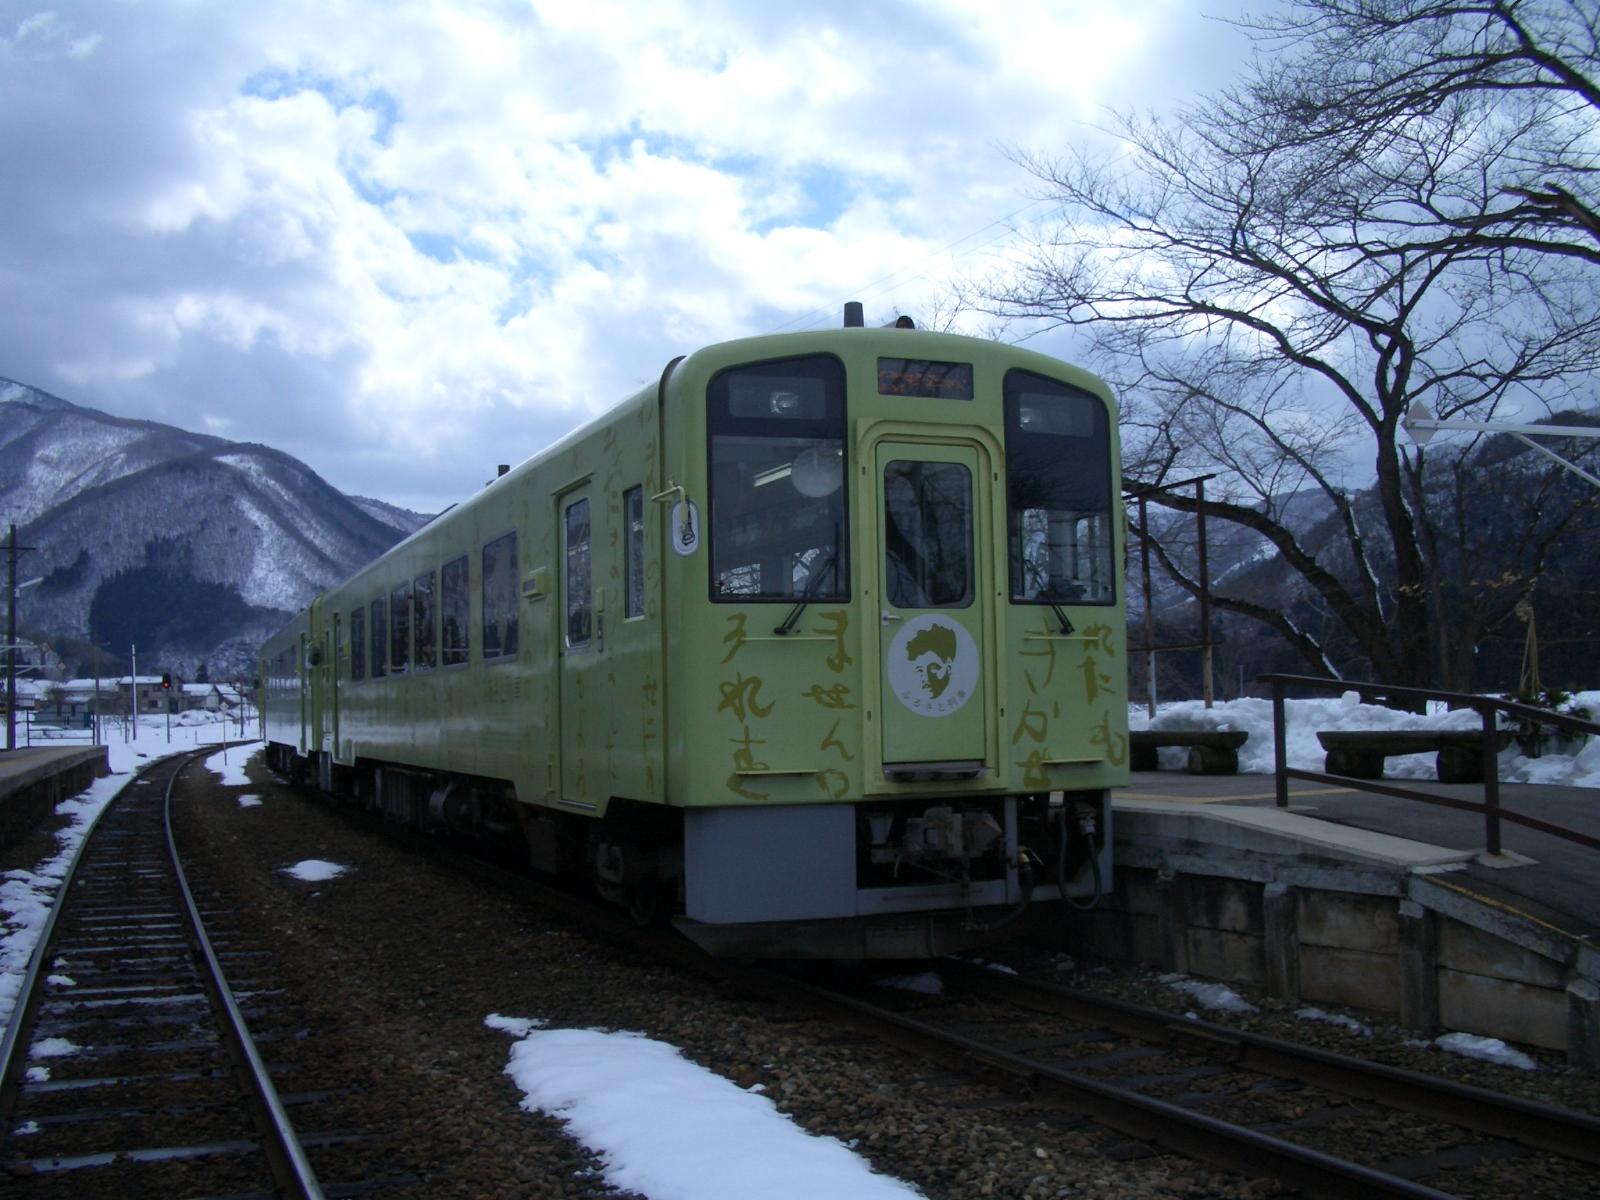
(406, 240)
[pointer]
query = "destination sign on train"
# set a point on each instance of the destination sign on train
(918, 377)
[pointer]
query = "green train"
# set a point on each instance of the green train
(814, 646)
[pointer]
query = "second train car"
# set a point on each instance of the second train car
(815, 646)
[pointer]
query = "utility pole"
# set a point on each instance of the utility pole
(133, 652)
(12, 551)
(94, 654)
(1205, 592)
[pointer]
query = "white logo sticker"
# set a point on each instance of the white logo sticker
(933, 665)
(684, 534)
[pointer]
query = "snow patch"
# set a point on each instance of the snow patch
(61, 981)
(1218, 997)
(315, 870)
(230, 764)
(671, 1130)
(249, 801)
(1344, 1022)
(515, 1026)
(53, 1047)
(1487, 1048)
(928, 983)
(37, 1074)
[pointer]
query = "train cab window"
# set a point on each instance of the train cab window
(500, 597)
(425, 617)
(399, 630)
(778, 490)
(358, 645)
(1058, 485)
(633, 513)
(577, 545)
(453, 597)
(927, 536)
(380, 637)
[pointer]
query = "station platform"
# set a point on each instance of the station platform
(33, 781)
(1545, 878)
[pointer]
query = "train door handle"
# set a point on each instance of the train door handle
(885, 616)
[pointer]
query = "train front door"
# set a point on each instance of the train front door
(582, 646)
(935, 597)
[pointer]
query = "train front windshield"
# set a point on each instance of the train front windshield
(778, 494)
(1058, 476)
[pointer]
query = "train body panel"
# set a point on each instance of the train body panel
(837, 582)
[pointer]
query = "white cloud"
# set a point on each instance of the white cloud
(403, 240)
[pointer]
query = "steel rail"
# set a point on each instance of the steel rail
(1561, 1131)
(28, 998)
(287, 1158)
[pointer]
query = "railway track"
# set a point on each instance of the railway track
(1102, 1037)
(128, 1064)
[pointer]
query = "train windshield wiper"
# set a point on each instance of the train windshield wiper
(807, 595)
(1066, 625)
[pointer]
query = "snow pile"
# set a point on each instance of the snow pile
(315, 870)
(1218, 997)
(230, 764)
(671, 1130)
(1487, 1048)
(26, 896)
(1350, 1023)
(249, 801)
(1304, 719)
(53, 1047)
(518, 1027)
(928, 983)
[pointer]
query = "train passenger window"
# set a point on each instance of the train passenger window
(358, 644)
(927, 536)
(399, 630)
(500, 597)
(778, 489)
(633, 512)
(380, 637)
(453, 612)
(1058, 487)
(579, 582)
(422, 612)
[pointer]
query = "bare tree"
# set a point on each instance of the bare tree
(1275, 301)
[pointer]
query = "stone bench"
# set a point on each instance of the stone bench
(1211, 751)
(1359, 753)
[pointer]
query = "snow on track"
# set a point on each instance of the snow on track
(671, 1130)
(315, 870)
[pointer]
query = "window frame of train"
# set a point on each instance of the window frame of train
(358, 643)
(379, 633)
(455, 613)
(400, 629)
(425, 622)
(818, 426)
(633, 553)
(1045, 465)
(501, 573)
(577, 575)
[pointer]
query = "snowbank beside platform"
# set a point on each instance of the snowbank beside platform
(1306, 718)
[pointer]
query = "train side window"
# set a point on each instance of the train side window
(500, 597)
(454, 590)
(579, 581)
(380, 637)
(399, 630)
(633, 512)
(358, 645)
(423, 614)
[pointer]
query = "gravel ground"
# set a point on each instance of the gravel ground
(404, 957)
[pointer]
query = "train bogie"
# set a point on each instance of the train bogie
(815, 642)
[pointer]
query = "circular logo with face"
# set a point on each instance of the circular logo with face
(933, 665)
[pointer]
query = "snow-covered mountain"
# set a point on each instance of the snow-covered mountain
(190, 546)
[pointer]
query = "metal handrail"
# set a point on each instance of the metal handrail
(1487, 707)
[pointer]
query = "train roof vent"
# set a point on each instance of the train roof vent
(854, 316)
